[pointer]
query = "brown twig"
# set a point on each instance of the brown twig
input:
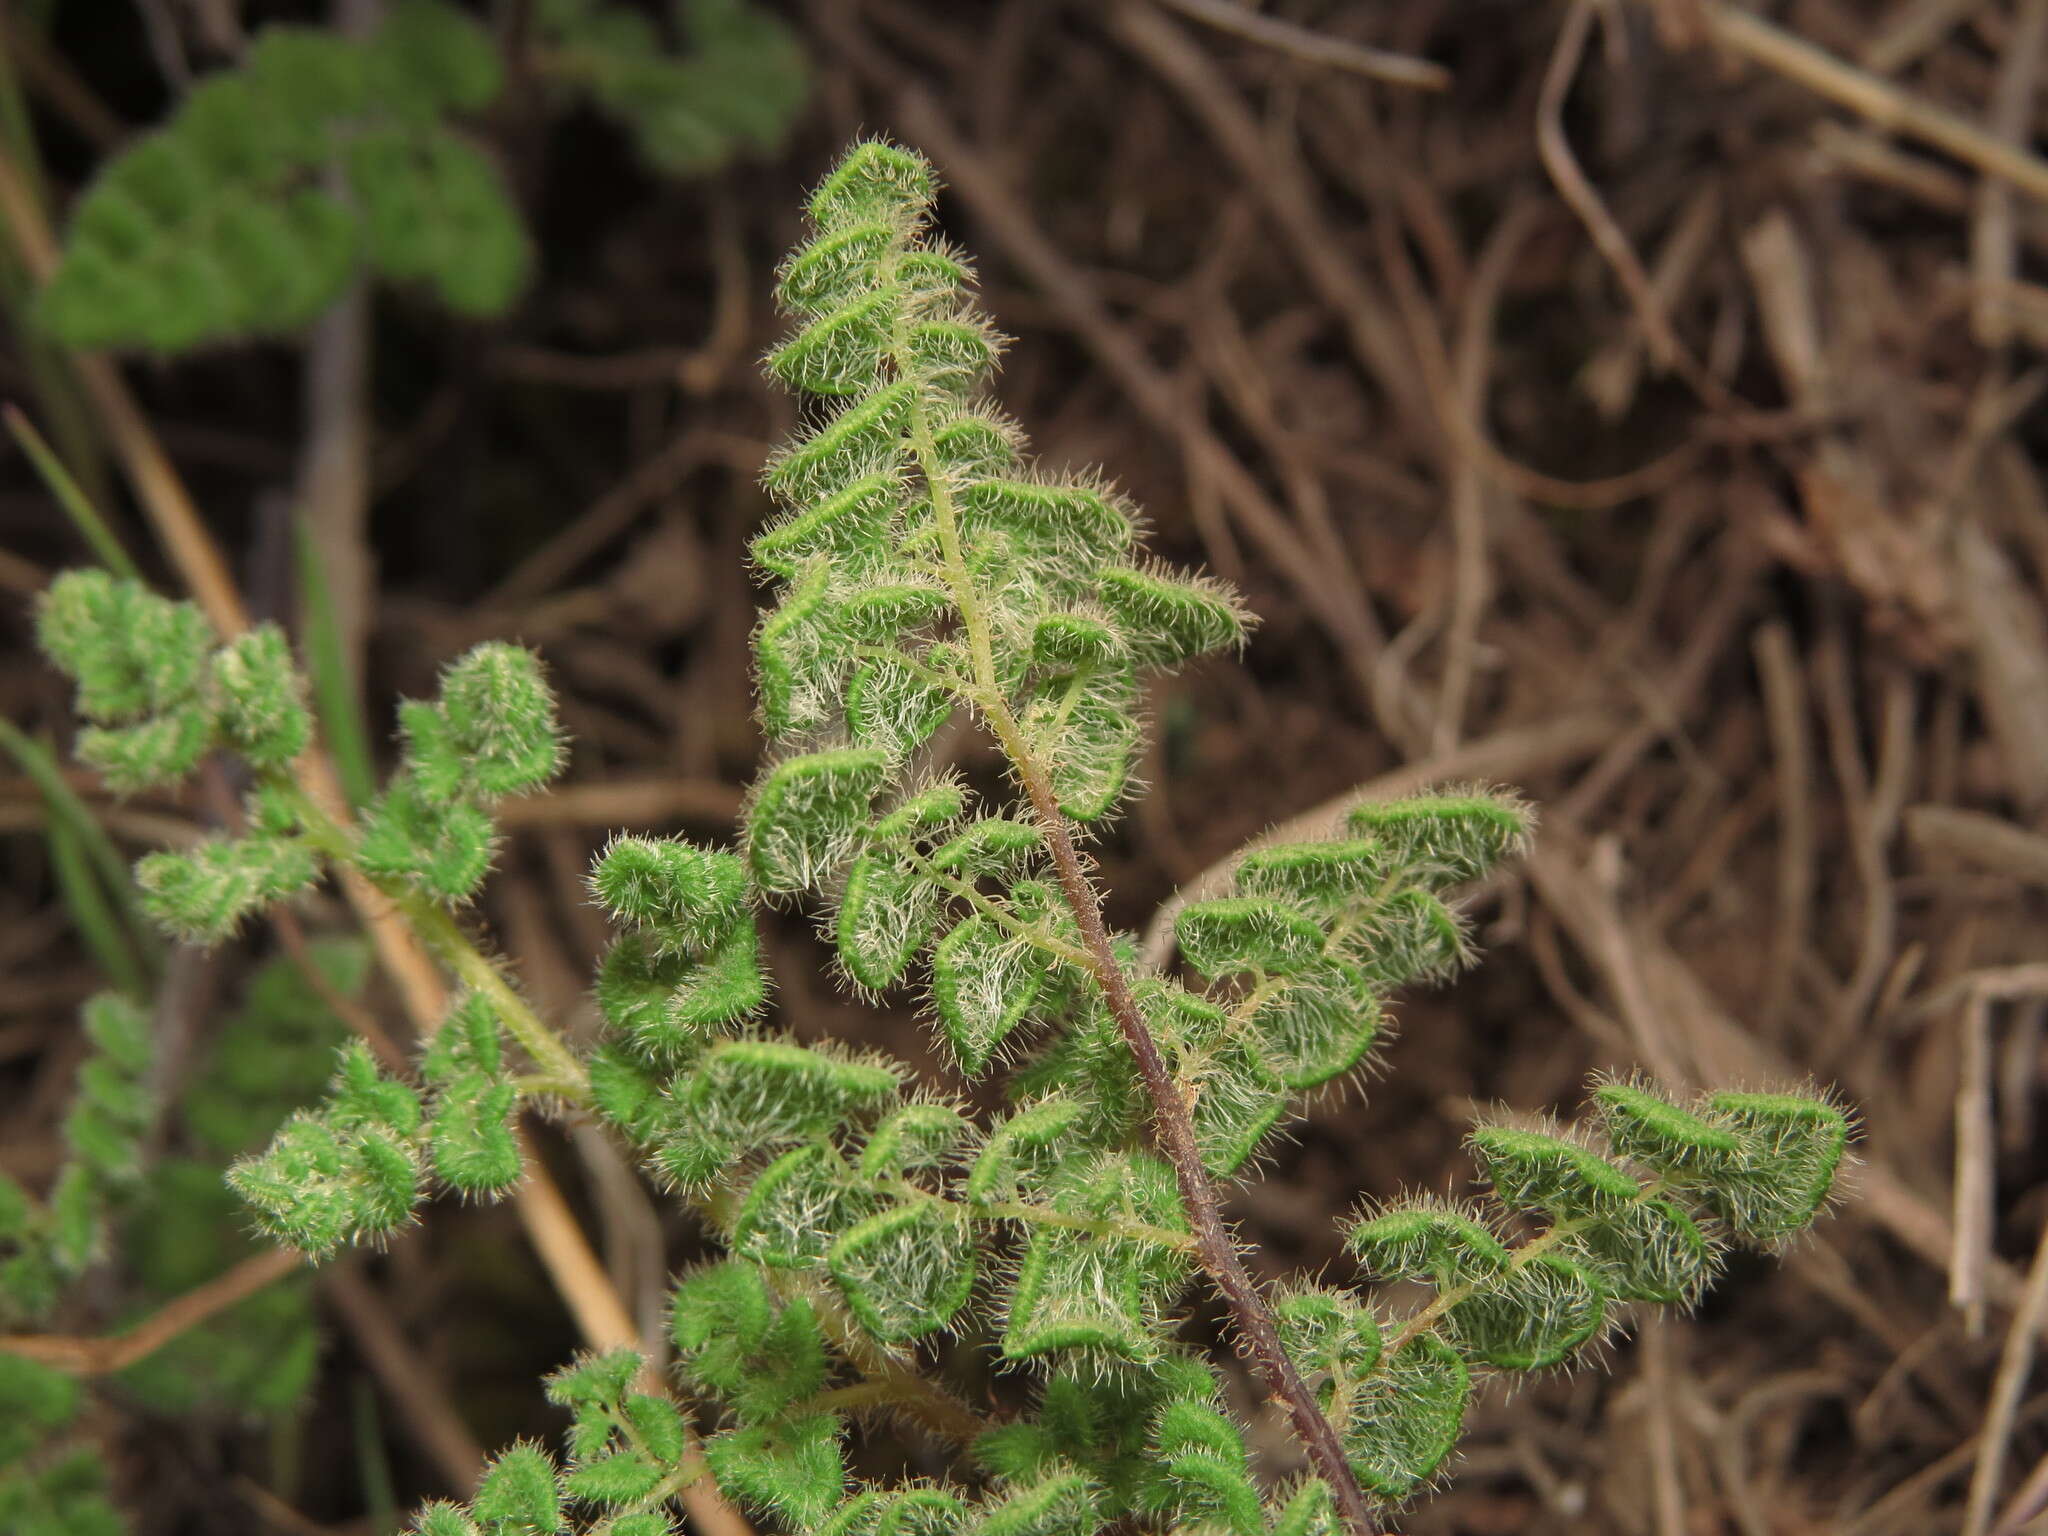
(1993, 239)
(1975, 1199)
(1572, 184)
(116, 1352)
(1985, 841)
(418, 1397)
(1784, 698)
(2015, 1360)
(1315, 47)
(1877, 101)
(352, 1013)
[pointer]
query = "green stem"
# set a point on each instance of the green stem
(441, 935)
(559, 1066)
(1045, 1216)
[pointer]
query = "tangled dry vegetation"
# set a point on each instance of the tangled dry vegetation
(1643, 410)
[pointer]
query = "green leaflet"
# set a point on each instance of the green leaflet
(471, 1140)
(1533, 1171)
(685, 897)
(1647, 1128)
(794, 1470)
(1410, 936)
(792, 1210)
(731, 1335)
(1328, 1333)
(1212, 1493)
(318, 1187)
(928, 810)
(873, 182)
(1532, 1315)
(1024, 1143)
(354, 1167)
(1245, 933)
(263, 712)
(205, 894)
(428, 57)
(101, 1178)
(922, 1512)
(1309, 1511)
(130, 652)
(1446, 839)
(1063, 1504)
(161, 750)
(440, 850)
(913, 1511)
(1791, 1147)
(1053, 526)
(492, 732)
(984, 981)
(1650, 1251)
(1236, 1102)
(1068, 642)
(905, 1271)
(1319, 1024)
(1322, 877)
(627, 1093)
(736, 88)
(859, 1515)
(1076, 1292)
(518, 1492)
(857, 443)
(1168, 619)
(499, 717)
(1099, 1292)
(670, 1005)
(839, 353)
(798, 658)
(723, 987)
(633, 990)
(915, 1138)
(882, 615)
(977, 443)
(833, 268)
(995, 845)
(806, 814)
(757, 1093)
(892, 706)
(849, 528)
(1425, 1242)
(436, 213)
(887, 914)
(1407, 1417)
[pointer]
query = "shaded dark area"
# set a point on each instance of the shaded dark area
(1631, 422)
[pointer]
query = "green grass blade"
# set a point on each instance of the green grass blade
(76, 504)
(94, 849)
(95, 917)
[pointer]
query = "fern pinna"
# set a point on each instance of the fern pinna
(924, 570)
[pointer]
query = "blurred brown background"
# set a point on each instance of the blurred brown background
(1620, 409)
